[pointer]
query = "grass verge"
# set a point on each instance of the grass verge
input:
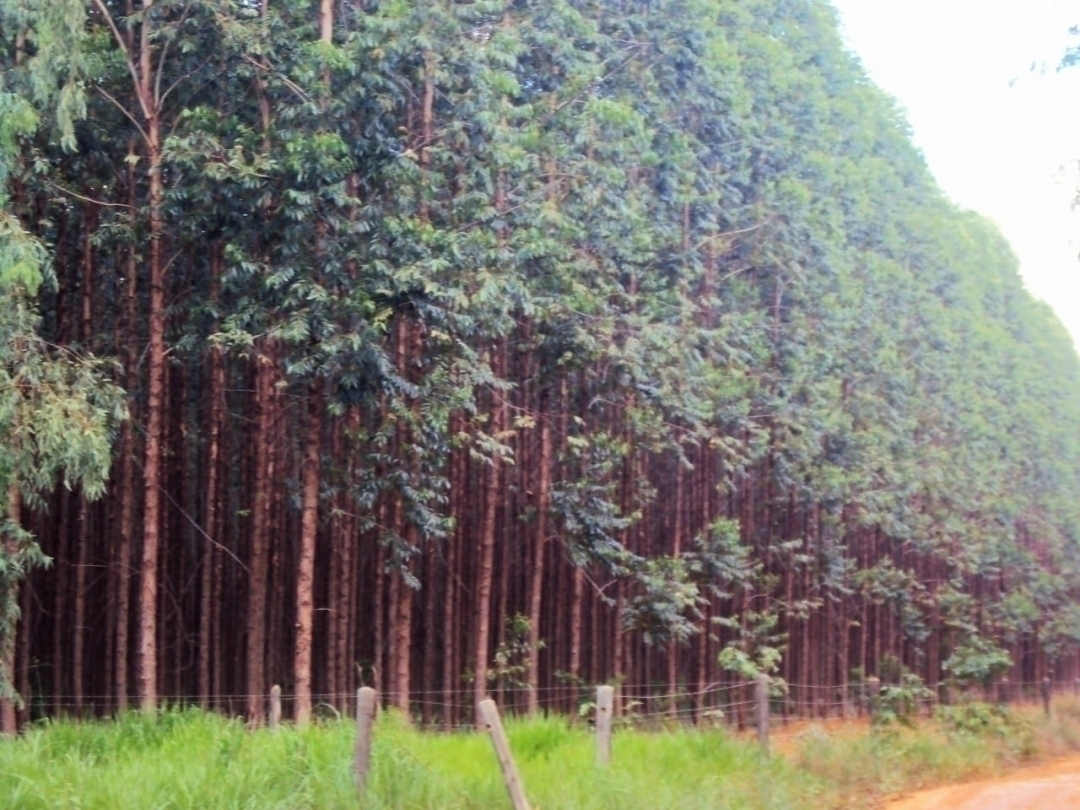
(187, 759)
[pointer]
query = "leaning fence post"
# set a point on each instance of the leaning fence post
(605, 702)
(275, 707)
(1045, 689)
(490, 714)
(761, 710)
(365, 721)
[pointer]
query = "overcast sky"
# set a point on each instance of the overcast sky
(1000, 137)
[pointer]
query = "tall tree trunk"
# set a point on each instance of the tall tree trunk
(78, 664)
(255, 656)
(676, 552)
(309, 521)
(431, 598)
(486, 563)
(577, 600)
(61, 689)
(402, 642)
(78, 667)
(7, 643)
(211, 538)
(536, 583)
(458, 502)
(126, 531)
(155, 406)
(305, 605)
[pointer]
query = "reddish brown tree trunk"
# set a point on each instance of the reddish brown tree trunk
(577, 600)
(458, 502)
(7, 645)
(676, 552)
(305, 605)
(155, 405)
(486, 563)
(210, 565)
(78, 667)
(258, 557)
(403, 634)
(536, 583)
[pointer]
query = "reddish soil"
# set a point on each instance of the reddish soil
(1045, 787)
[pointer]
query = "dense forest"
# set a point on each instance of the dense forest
(510, 347)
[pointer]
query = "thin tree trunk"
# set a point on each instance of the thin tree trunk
(22, 659)
(84, 538)
(207, 629)
(450, 601)
(402, 643)
(61, 690)
(431, 600)
(148, 585)
(127, 476)
(309, 523)
(576, 601)
(305, 606)
(487, 562)
(258, 565)
(78, 629)
(676, 552)
(536, 583)
(7, 644)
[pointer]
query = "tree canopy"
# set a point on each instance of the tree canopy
(631, 339)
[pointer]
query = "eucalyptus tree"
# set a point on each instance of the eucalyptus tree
(561, 341)
(58, 409)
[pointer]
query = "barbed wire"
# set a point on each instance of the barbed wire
(634, 700)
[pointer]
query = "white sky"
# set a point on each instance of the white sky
(1000, 138)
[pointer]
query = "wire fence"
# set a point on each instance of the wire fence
(730, 704)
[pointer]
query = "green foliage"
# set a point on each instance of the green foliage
(976, 661)
(58, 417)
(509, 667)
(695, 229)
(899, 702)
(977, 719)
(759, 649)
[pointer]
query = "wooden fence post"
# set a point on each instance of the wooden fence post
(1045, 689)
(490, 714)
(761, 710)
(275, 707)
(1003, 691)
(605, 704)
(365, 721)
(873, 692)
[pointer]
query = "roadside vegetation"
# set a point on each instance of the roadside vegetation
(191, 759)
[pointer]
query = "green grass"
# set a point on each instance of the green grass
(187, 759)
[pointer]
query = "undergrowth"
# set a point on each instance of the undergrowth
(185, 759)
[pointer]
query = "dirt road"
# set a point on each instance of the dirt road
(1047, 787)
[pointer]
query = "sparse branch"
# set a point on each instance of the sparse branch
(180, 80)
(293, 86)
(127, 113)
(100, 5)
(75, 195)
(159, 98)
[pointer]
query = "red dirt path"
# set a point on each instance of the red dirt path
(1046, 787)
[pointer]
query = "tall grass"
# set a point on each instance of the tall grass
(188, 759)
